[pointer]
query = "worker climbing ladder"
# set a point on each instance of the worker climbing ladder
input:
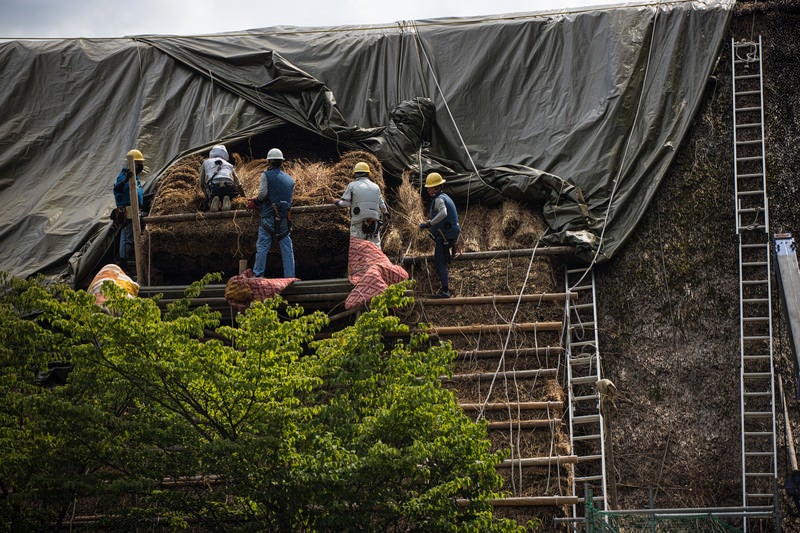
(586, 428)
(757, 379)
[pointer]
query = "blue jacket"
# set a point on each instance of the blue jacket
(449, 224)
(122, 195)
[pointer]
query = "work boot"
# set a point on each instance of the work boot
(226, 203)
(443, 293)
(214, 204)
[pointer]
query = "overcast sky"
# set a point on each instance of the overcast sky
(112, 18)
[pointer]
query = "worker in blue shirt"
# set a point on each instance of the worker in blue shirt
(444, 229)
(122, 197)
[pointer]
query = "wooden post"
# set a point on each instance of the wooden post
(137, 226)
(242, 265)
(788, 425)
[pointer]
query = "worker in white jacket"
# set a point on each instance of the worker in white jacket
(218, 179)
(367, 208)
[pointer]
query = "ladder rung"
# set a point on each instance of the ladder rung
(584, 380)
(755, 319)
(756, 357)
(582, 360)
(585, 419)
(758, 474)
(758, 414)
(753, 226)
(761, 375)
(756, 337)
(756, 394)
(581, 438)
(747, 93)
(589, 397)
(758, 454)
(751, 108)
(579, 307)
(752, 193)
(757, 434)
(748, 142)
(754, 282)
(749, 125)
(588, 458)
(581, 343)
(747, 76)
(579, 479)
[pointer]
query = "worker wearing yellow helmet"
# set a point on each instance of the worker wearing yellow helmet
(122, 198)
(443, 226)
(367, 207)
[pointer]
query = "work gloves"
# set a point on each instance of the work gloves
(425, 225)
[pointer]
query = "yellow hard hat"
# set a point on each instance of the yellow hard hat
(361, 167)
(434, 179)
(136, 154)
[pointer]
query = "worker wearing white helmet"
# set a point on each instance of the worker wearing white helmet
(367, 207)
(274, 201)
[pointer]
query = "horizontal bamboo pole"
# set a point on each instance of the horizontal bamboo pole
(491, 254)
(497, 328)
(237, 213)
(511, 352)
(499, 299)
(534, 501)
(519, 374)
(540, 461)
(502, 406)
(523, 424)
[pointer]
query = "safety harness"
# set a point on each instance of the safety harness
(280, 212)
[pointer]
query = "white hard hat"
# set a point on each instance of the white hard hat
(275, 153)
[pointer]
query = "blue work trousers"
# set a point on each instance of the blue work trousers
(442, 254)
(263, 245)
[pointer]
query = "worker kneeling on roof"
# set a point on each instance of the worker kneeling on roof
(218, 179)
(367, 208)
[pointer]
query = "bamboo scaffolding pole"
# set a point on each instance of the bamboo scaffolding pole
(499, 299)
(519, 252)
(523, 406)
(535, 501)
(497, 328)
(237, 213)
(523, 424)
(138, 253)
(519, 374)
(512, 352)
(540, 461)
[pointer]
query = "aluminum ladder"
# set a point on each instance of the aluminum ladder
(757, 377)
(583, 370)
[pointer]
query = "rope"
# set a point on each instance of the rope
(421, 46)
(625, 151)
(501, 362)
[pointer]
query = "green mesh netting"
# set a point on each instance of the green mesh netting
(640, 523)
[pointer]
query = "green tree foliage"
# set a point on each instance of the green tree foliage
(170, 420)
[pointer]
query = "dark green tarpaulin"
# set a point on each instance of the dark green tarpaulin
(579, 112)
